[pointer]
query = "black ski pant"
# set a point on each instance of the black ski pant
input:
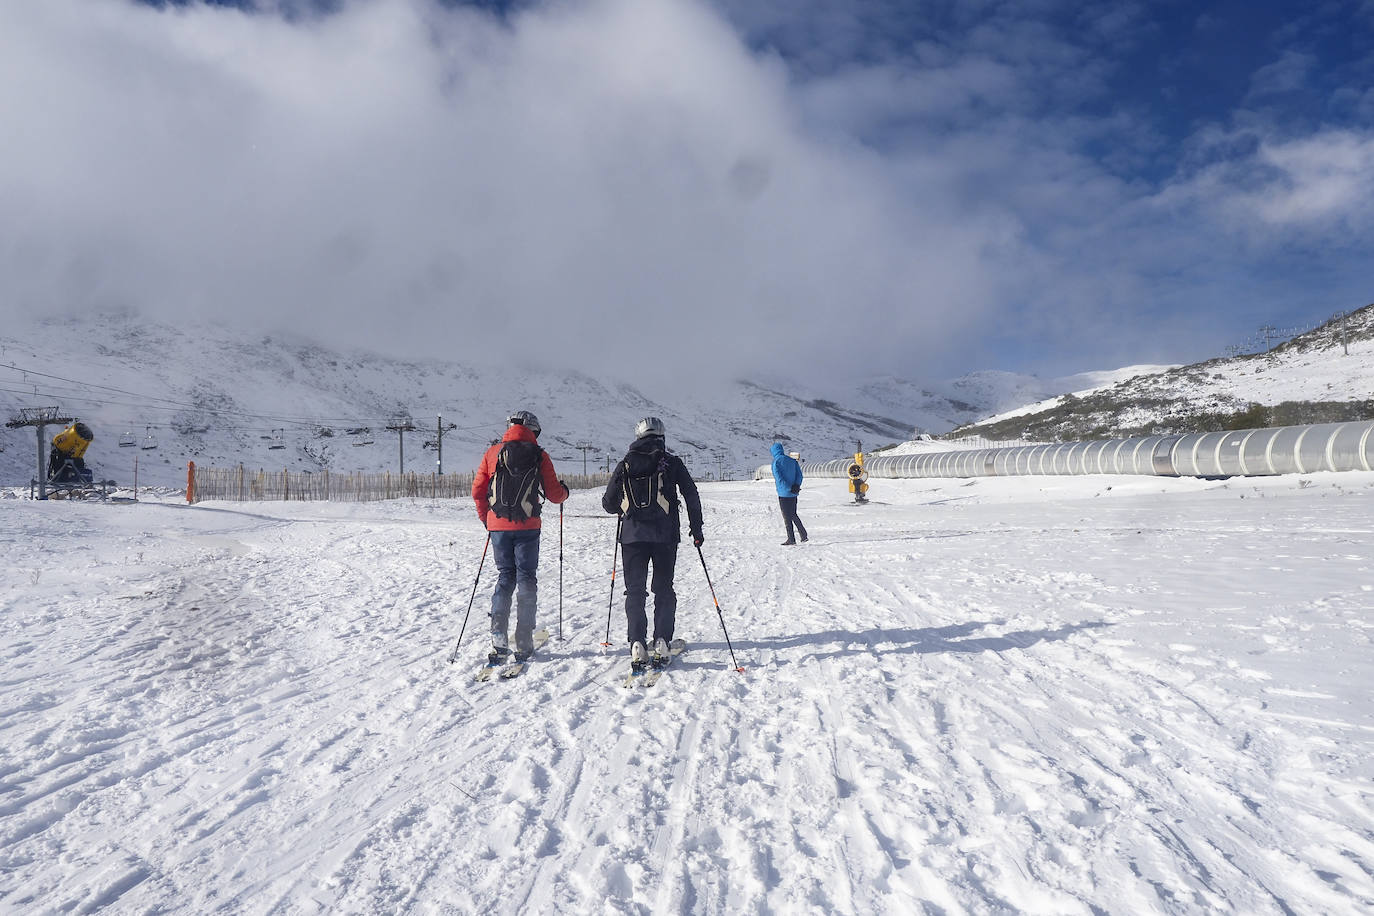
(637, 558)
(789, 517)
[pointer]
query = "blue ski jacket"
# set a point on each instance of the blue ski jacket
(787, 472)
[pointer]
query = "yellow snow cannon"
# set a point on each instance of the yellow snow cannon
(66, 461)
(73, 441)
(858, 478)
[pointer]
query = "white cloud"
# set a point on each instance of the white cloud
(1267, 190)
(616, 177)
(1325, 183)
(624, 184)
(1289, 73)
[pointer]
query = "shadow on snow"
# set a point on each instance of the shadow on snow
(960, 638)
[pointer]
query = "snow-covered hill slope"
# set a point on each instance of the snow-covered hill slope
(1327, 368)
(220, 398)
(1008, 393)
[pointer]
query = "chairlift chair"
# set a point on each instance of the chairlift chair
(276, 442)
(128, 440)
(149, 440)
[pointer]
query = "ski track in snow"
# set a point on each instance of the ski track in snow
(1087, 695)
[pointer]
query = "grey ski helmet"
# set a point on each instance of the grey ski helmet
(526, 419)
(649, 426)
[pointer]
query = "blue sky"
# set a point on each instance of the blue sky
(684, 189)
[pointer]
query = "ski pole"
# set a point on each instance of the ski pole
(560, 572)
(453, 656)
(719, 613)
(610, 601)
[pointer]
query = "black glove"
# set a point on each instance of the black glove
(567, 490)
(697, 537)
(796, 488)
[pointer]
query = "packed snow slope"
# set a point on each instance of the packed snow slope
(1049, 695)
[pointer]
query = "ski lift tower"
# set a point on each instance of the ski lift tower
(439, 440)
(584, 448)
(402, 425)
(40, 417)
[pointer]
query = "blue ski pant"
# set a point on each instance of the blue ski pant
(516, 555)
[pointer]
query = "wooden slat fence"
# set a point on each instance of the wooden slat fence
(586, 481)
(238, 484)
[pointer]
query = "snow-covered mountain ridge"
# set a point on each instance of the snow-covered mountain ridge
(1324, 375)
(221, 398)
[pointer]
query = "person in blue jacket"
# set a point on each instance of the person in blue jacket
(787, 475)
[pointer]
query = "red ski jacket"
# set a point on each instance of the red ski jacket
(554, 490)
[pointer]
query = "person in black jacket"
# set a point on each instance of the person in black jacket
(645, 490)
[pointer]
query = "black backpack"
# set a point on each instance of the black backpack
(645, 494)
(515, 487)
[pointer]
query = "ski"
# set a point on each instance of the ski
(504, 666)
(493, 664)
(647, 674)
(516, 668)
(675, 648)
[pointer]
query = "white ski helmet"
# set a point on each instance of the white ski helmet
(526, 419)
(649, 426)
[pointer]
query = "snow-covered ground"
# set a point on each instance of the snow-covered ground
(1042, 695)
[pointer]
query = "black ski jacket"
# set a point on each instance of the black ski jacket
(679, 486)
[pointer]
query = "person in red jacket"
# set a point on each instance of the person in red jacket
(507, 491)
